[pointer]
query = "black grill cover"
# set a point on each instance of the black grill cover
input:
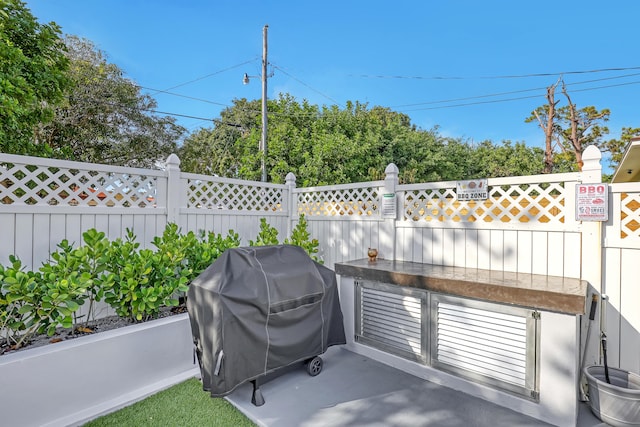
(257, 309)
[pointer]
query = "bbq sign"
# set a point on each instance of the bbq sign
(475, 189)
(592, 202)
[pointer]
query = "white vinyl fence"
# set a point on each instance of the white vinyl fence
(527, 224)
(44, 201)
(621, 276)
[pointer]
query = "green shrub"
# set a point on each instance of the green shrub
(144, 280)
(32, 303)
(135, 282)
(301, 237)
(205, 249)
(91, 259)
(268, 235)
(96, 264)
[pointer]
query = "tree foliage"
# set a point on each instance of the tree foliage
(508, 159)
(62, 98)
(573, 129)
(546, 117)
(617, 147)
(584, 127)
(105, 118)
(331, 145)
(32, 77)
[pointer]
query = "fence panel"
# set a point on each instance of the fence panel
(620, 258)
(43, 201)
(526, 225)
(33, 181)
(247, 226)
(346, 220)
(533, 202)
(623, 227)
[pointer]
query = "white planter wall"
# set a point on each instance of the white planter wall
(70, 382)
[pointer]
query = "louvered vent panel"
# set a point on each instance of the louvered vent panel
(392, 319)
(484, 342)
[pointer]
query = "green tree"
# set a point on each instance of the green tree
(508, 159)
(583, 127)
(335, 145)
(546, 117)
(105, 118)
(569, 130)
(32, 77)
(320, 145)
(617, 147)
(224, 149)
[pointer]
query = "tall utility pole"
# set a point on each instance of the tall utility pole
(263, 141)
(262, 147)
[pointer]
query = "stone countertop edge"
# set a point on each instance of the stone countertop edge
(551, 293)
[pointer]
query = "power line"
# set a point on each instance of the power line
(186, 116)
(444, 101)
(495, 101)
(604, 78)
(426, 103)
(183, 96)
(212, 74)
(608, 86)
(217, 121)
(306, 85)
(601, 70)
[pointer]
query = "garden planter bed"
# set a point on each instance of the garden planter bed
(69, 382)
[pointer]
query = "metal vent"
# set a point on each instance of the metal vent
(391, 319)
(487, 342)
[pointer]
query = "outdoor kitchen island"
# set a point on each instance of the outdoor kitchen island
(510, 338)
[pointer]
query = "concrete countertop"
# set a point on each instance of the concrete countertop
(550, 293)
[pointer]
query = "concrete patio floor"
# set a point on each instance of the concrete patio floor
(353, 390)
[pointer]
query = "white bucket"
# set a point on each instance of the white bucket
(618, 403)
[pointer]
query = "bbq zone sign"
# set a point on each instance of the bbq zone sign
(592, 202)
(475, 189)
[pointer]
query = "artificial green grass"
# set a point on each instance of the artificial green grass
(184, 404)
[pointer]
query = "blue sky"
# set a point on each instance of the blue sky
(406, 55)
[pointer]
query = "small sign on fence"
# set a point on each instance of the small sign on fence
(592, 202)
(389, 205)
(475, 189)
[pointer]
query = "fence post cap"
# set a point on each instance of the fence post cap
(591, 167)
(173, 160)
(591, 153)
(392, 169)
(290, 179)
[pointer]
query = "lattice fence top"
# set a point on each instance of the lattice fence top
(30, 184)
(630, 215)
(340, 202)
(515, 203)
(234, 196)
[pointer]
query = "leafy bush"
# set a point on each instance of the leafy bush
(91, 259)
(135, 282)
(206, 248)
(32, 303)
(268, 235)
(144, 280)
(301, 237)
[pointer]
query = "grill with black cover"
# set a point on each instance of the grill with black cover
(256, 310)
